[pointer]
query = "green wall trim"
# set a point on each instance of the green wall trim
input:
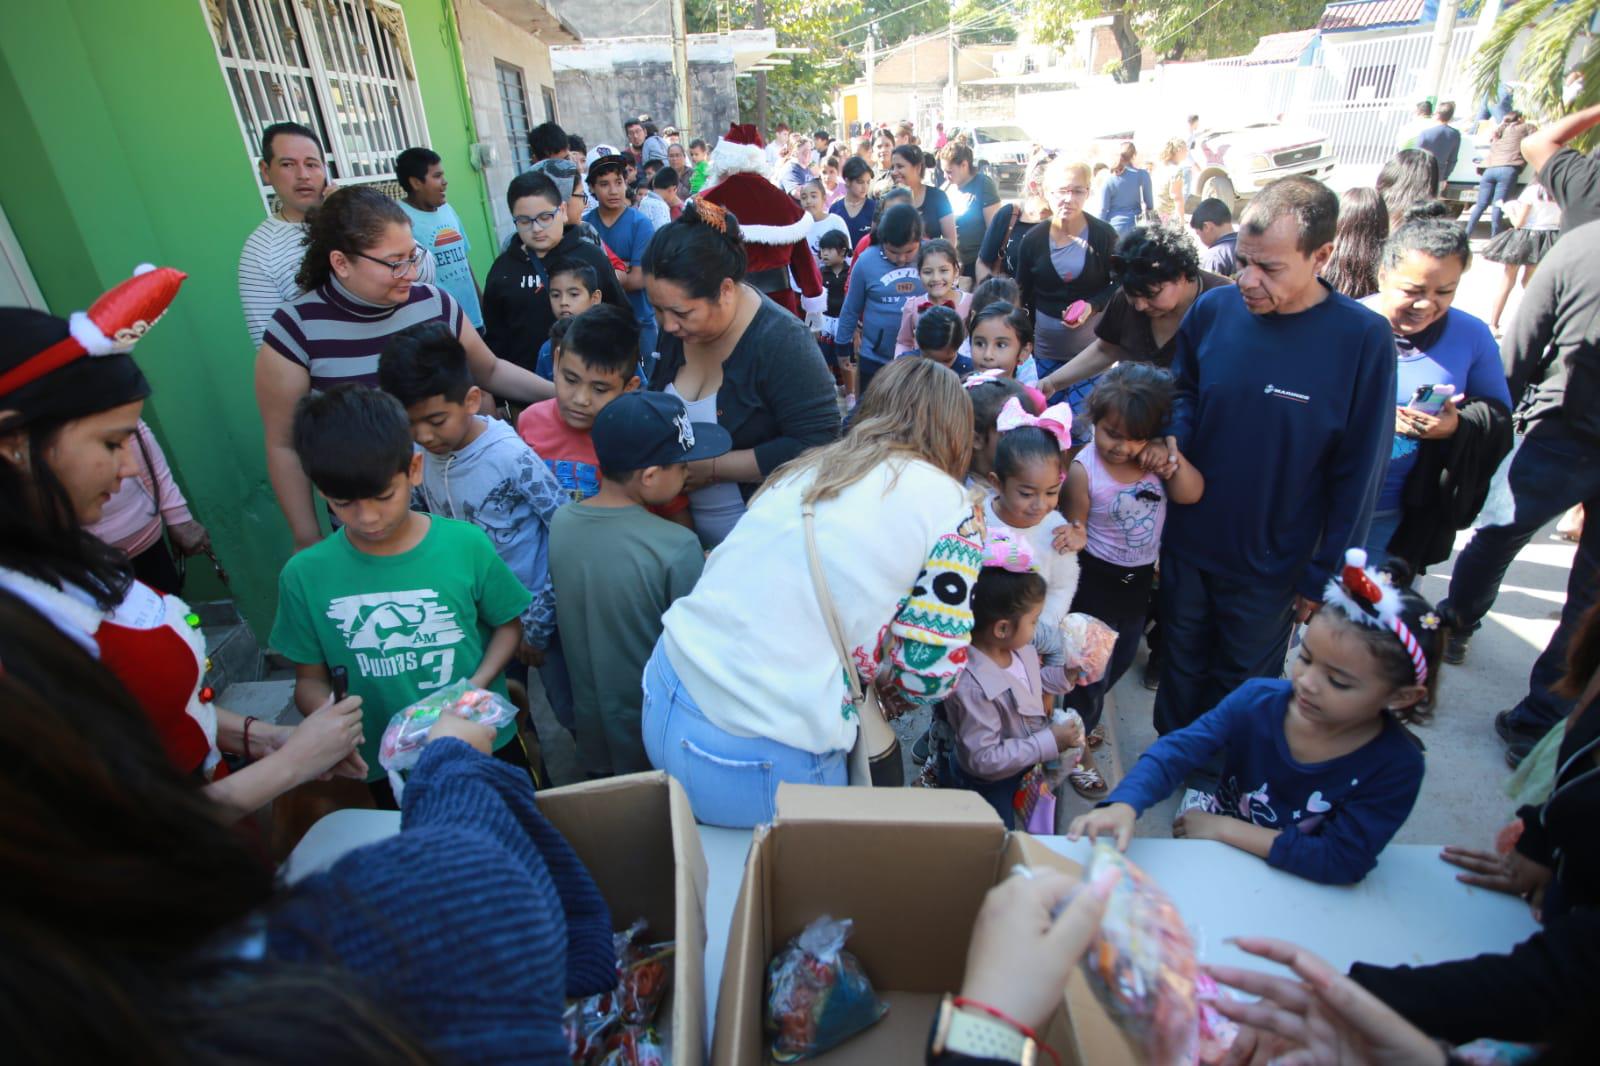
(126, 149)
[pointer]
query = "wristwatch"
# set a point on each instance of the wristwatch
(961, 1037)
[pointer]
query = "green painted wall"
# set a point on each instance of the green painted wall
(123, 148)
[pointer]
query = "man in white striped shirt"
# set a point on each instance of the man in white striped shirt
(292, 163)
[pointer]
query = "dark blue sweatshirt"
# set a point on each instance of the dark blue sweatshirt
(473, 925)
(1335, 816)
(1290, 418)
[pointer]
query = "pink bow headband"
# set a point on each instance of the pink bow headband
(983, 377)
(1056, 420)
(1002, 548)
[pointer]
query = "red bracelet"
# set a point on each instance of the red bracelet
(247, 721)
(1000, 1015)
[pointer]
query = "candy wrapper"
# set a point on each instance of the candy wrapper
(617, 1028)
(1217, 1033)
(408, 729)
(643, 971)
(1141, 964)
(633, 1045)
(817, 994)
(1087, 644)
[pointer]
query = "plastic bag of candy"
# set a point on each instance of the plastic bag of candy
(585, 1022)
(643, 972)
(1217, 1032)
(1141, 964)
(408, 729)
(633, 1045)
(817, 994)
(1087, 644)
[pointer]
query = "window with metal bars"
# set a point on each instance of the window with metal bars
(514, 108)
(341, 67)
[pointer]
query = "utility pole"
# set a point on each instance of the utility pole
(682, 91)
(1444, 27)
(761, 75)
(952, 84)
(872, 54)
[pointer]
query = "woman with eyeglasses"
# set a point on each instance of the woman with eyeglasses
(357, 288)
(1064, 268)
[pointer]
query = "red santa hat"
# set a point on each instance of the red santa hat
(740, 151)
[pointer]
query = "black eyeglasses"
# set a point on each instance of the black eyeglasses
(397, 269)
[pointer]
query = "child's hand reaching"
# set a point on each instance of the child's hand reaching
(1068, 734)
(1160, 459)
(1113, 821)
(1069, 537)
(530, 655)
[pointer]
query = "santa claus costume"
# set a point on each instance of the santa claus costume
(774, 226)
(56, 370)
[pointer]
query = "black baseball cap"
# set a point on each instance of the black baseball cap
(640, 429)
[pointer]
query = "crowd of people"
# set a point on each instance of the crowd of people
(735, 445)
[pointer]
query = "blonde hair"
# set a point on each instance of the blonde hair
(1170, 150)
(1062, 165)
(914, 409)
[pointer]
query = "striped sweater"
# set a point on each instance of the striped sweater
(267, 268)
(337, 337)
(472, 925)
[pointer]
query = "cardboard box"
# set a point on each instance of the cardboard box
(637, 836)
(910, 867)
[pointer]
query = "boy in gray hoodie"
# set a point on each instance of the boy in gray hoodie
(478, 470)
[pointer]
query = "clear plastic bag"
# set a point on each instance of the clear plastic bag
(817, 994)
(1141, 964)
(408, 729)
(1087, 643)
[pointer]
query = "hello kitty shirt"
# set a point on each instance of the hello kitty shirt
(1335, 816)
(1125, 518)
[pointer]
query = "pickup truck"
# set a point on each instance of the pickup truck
(1233, 163)
(1002, 152)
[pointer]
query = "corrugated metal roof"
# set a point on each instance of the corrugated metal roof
(1370, 14)
(1281, 47)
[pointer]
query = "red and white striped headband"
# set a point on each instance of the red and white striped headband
(1368, 597)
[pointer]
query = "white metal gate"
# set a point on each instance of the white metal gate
(1363, 94)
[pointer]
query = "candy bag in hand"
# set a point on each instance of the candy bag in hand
(408, 729)
(817, 994)
(1087, 644)
(1141, 964)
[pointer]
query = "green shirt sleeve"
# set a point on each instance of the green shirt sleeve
(501, 596)
(293, 635)
(684, 571)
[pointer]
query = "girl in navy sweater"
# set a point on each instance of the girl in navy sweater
(1318, 771)
(882, 279)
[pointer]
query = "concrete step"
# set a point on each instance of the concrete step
(231, 648)
(270, 701)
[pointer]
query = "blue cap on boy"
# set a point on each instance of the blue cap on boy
(640, 429)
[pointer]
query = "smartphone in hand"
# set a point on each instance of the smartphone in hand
(1430, 399)
(341, 683)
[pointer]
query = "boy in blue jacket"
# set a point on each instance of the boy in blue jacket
(882, 279)
(1285, 403)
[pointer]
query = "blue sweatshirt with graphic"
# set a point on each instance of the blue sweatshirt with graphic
(500, 485)
(1290, 419)
(873, 300)
(1335, 816)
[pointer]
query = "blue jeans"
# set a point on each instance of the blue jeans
(1495, 186)
(1384, 523)
(731, 780)
(1216, 633)
(1551, 471)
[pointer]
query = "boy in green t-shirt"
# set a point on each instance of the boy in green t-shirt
(406, 602)
(616, 568)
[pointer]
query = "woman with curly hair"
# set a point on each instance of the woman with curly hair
(1358, 243)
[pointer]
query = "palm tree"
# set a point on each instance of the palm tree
(1552, 27)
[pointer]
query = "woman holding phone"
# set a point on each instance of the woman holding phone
(1452, 406)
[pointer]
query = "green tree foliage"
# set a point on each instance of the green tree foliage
(1175, 29)
(800, 92)
(1552, 26)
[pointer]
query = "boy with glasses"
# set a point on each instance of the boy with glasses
(516, 299)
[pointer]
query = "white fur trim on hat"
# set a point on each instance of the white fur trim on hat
(87, 334)
(730, 158)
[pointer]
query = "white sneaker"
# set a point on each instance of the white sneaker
(1195, 800)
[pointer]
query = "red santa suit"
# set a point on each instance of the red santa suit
(774, 226)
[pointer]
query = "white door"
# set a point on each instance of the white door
(17, 287)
